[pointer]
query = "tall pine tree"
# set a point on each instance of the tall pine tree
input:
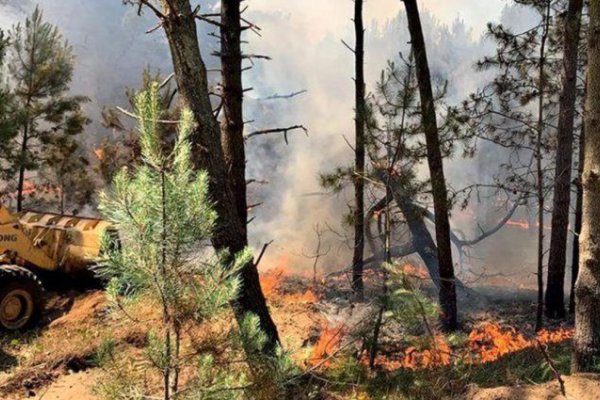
(40, 71)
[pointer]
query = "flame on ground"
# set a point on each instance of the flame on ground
(486, 343)
(329, 342)
(492, 341)
(414, 271)
(271, 282)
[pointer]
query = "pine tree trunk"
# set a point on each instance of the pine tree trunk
(359, 154)
(21, 180)
(586, 344)
(555, 307)
(24, 144)
(436, 168)
(230, 234)
(539, 167)
(577, 225)
(232, 124)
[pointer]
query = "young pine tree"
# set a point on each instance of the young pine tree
(163, 215)
(40, 71)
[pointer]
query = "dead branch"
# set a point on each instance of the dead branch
(148, 4)
(156, 27)
(285, 96)
(218, 109)
(253, 27)
(278, 130)
(348, 47)
(251, 206)
(318, 253)
(260, 181)
(484, 233)
(208, 20)
(544, 351)
(256, 56)
(262, 252)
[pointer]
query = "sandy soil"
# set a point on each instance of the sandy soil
(73, 386)
(577, 387)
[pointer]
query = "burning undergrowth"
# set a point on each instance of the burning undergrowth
(340, 326)
(318, 321)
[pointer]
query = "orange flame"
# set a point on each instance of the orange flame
(271, 281)
(415, 272)
(486, 343)
(491, 341)
(328, 343)
(99, 152)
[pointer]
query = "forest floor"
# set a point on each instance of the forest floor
(57, 361)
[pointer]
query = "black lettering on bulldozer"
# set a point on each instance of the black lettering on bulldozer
(8, 238)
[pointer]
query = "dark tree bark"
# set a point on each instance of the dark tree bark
(359, 153)
(554, 301)
(232, 123)
(421, 238)
(179, 24)
(586, 343)
(577, 225)
(436, 168)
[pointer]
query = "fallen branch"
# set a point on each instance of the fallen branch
(552, 366)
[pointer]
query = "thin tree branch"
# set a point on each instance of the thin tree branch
(278, 130)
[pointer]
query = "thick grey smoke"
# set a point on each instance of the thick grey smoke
(304, 40)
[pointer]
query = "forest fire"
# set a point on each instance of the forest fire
(491, 341)
(271, 282)
(328, 344)
(487, 343)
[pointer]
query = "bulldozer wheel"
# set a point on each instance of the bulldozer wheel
(21, 298)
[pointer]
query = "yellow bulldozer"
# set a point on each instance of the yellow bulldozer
(32, 244)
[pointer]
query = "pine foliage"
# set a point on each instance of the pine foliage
(165, 219)
(43, 116)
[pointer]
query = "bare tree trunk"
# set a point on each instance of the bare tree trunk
(555, 307)
(190, 73)
(359, 154)
(447, 293)
(540, 171)
(232, 124)
(577, 225)
(586, 344)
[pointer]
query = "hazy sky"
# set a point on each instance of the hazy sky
(326, 17)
